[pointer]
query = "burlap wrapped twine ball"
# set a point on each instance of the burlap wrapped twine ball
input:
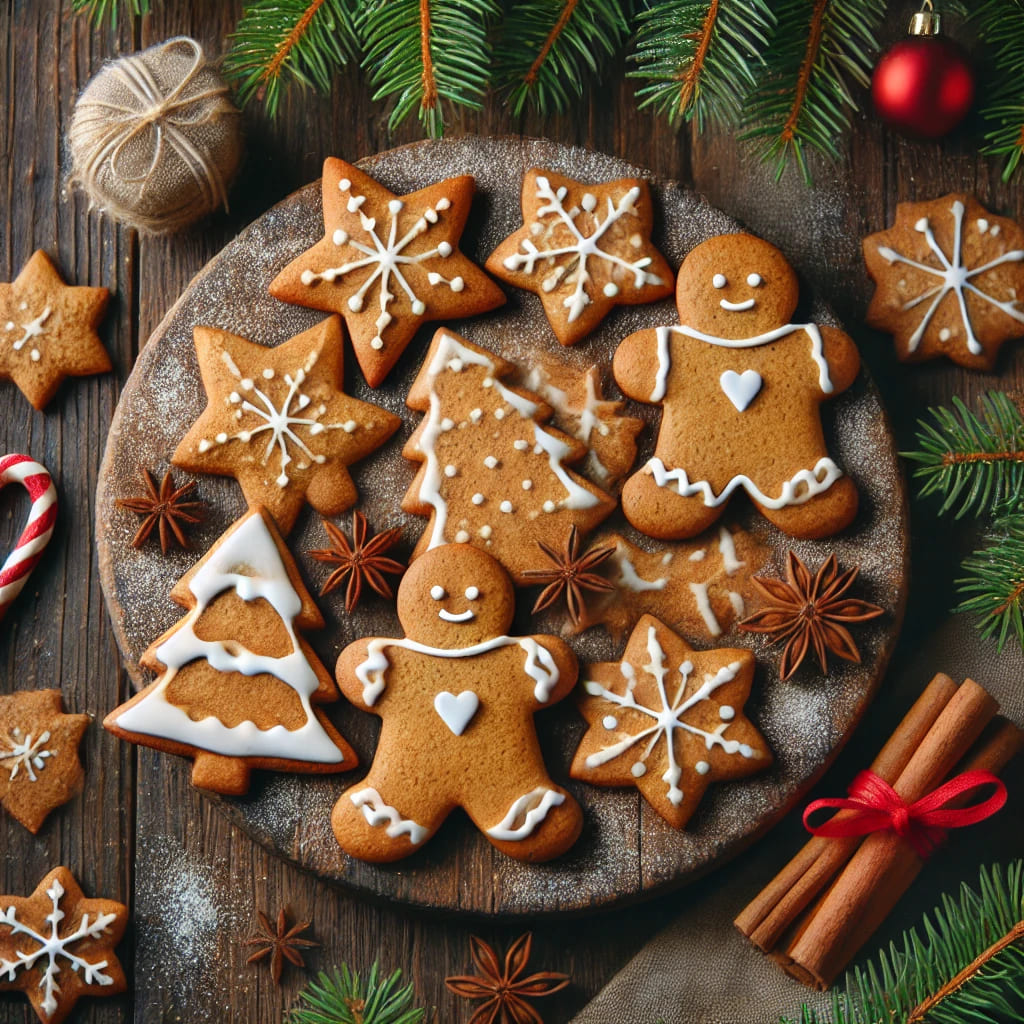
(155, 139)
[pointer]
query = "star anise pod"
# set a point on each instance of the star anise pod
(280, 944)
(504, 991)
(571, 574)
(359, 561)
(810, 611)
(163, 508)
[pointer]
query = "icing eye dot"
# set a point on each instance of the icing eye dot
(437, 593)
(719, 280)
(755, 280)
(472, 593)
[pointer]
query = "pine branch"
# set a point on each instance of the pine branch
(701, 58)
(965, 965)
(344, 998)
(100, 11)
(281, 41)
(549, 49)
(427, 53)
(974, 461)
(994, 586)
(1000, 24)
(805, 101)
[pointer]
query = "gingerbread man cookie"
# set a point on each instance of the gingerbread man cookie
(457, 696)
(740, 386)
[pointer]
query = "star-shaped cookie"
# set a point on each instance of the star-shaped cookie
(48, 330)
(277, 420)
(949, 281)
(388, 263)
(668, 720)
(583, 249)
(57, 946)
(39, 766)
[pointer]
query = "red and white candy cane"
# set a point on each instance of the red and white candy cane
(20, 469)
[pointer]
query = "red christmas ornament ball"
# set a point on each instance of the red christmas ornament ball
(923, 86)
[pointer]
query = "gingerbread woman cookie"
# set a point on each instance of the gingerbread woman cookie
(740, 386)
(457, 696)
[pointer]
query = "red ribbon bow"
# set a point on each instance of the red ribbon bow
(877, 807)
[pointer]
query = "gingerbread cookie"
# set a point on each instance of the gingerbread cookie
(278, 421)
(238, 686)
(583, 249)
(668, 720)
(491, 474)
(48, 330)
(740, 386)
(39, 766)
(949, 276)
(582, 411)
(57, 946)
(456, 696)
(388, 264)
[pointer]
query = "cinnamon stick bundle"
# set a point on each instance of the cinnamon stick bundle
(821, 908)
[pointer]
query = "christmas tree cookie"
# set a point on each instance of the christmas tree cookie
(278, 421)
(238, 686)
(668, 720)
(388, 264)
(491, 473)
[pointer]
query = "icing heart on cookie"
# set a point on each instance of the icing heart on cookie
(741, 388)
(457, 712)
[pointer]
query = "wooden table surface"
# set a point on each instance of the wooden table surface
(139, 832)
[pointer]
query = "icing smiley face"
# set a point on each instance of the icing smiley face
(736, 291)
(468, 595)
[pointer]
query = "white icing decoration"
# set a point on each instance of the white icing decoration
(702, 767)
(438, 593)
(575, 270)
(576, 496)
(804, 484)
(700, 595)
(540, 665)
(736, 600)
(388, 259)
(719, 281)
(727, 548)
(741, 388)
(737, 307)
(755, 280)
(31, 330)
(664, 365)
(25, 751)
(280, 421)
(377, 813)
(472, 593)
(457, 711)
(467, 616)
(530, 810)
(954, 277)
(727, 712)
(668, 718)
(631, 579)
(698, 556)
(610, 722)
(249, 562)
(53, 947)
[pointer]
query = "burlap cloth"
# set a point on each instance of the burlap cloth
(700, 970)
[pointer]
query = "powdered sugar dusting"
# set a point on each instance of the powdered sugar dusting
(625, 848)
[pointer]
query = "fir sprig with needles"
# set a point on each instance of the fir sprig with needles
(345, 997)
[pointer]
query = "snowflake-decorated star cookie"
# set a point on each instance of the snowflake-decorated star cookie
(48, 330)
(388, 263)
(949, 281)
(39, 766)
(278, 421)
(583, 249)
(668, 720)
(57, 946)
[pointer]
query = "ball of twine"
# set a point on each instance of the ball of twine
(154, 138)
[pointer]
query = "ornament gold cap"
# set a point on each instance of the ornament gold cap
(926, 22)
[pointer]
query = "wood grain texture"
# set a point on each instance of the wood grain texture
(139, 832)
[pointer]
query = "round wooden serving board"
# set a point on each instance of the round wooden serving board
(626, 851)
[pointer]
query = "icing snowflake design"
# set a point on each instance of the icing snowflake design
(30, 331)
(54, 947)
(25, 751)
(574, 270)
(279, 423)
(668, 718)
(953, 276)
(387, 258)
